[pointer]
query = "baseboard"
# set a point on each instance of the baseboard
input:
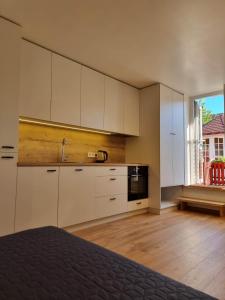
(105, 220)
(158, 211)
(168, 209)
(155, 211)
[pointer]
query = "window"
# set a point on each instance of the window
(218, 142)
(208, 136)
(205, 150)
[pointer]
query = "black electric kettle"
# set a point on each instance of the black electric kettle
(101, 156)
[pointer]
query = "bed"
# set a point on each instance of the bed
(49, 263)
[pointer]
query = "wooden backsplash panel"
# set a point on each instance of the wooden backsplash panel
(40, 143)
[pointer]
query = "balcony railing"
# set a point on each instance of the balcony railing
(217, 173)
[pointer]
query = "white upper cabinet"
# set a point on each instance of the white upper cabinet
(37, 197)
(131, 110)
(172, 161)
(54, 88)
(9, 84)
(92, 99)
(114, 106)
(66, 90)
(35, 91)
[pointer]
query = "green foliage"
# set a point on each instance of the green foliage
(207, 115)
(219, 159)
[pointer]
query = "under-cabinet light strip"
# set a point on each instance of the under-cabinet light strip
(25, 120)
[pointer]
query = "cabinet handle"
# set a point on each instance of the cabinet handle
(112, 179)
(78, 170)
(7, 157)
(111, 199)
(112, 169)
(7, 147)
(51, 171)
(138, 203)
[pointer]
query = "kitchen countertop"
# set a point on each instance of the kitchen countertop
(59, 164)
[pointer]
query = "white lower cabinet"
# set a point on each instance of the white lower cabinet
(138, 204)
(63, 196)
(110, 185)
(111, 188)
(8, 172)
(37, 197)
(76, 195)
(110, 205)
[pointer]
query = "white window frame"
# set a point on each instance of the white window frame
(191, 138)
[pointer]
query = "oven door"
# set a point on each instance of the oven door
(137, 187)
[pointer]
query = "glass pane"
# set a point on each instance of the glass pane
(209, 127)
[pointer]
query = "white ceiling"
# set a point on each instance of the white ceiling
(180, 43)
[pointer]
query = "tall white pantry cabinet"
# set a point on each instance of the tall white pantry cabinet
(9, 91)
(161, 143)
(172, 150)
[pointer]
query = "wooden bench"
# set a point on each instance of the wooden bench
(204, 203)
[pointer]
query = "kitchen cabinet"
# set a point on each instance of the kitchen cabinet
(9, 85)
(76, 195)
(54, 88)
(166, 131)
(171, 137)
(110, 205)
(138, 204)
(66, 90)
(114, 106)
(178, 139)
(131, 110)
(37, 197)
(111, 191)
(35, 87)
(111, 185)
(8, 173)
(92, 98)
(112, 171)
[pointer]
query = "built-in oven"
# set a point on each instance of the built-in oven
(137, 182)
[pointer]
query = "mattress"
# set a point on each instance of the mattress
(49, 263)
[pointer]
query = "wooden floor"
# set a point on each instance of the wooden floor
(184, 245)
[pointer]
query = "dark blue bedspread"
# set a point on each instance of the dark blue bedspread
(48, 263)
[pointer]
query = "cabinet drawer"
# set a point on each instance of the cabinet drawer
(111, 170)
(111, 185)
(138, 204)
(110, 205)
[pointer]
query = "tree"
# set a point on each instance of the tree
(207, 115)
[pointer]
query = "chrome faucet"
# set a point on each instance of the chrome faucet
(64, 142)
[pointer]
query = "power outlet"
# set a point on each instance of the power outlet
(91, 154)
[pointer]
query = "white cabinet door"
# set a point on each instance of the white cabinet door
(131, 110)
(76, 195)
(66, 80)
(114, 106)
(92, 98)
(9, 84)
(35, 87)
(8, 171)
(166, 136)
(178, 139)
(37, 197)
